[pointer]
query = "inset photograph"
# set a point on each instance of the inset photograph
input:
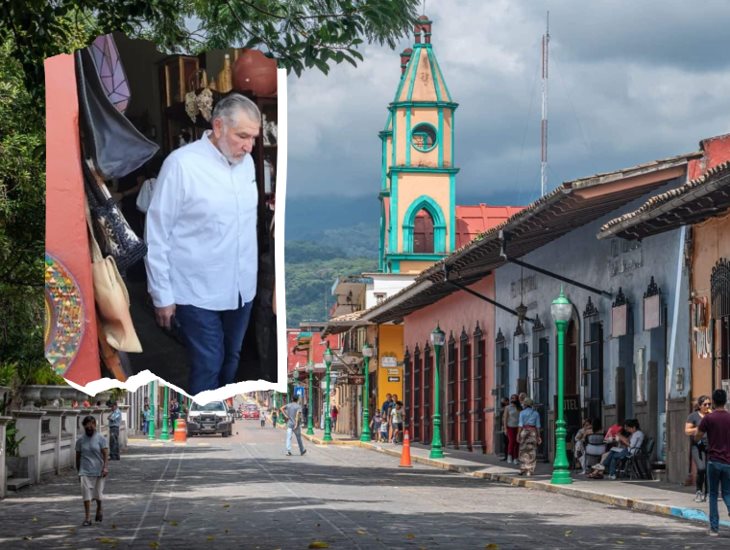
(161, 188)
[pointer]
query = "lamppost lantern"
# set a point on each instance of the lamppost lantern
(561, 310)
(327, 422)
(367, 353)
(438, 337)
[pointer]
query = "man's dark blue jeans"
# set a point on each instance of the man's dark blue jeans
(718, 475)
(213, 340)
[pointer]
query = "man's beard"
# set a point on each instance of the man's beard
(226, 150)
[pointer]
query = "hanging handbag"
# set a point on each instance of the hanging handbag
(112, 299)
(117, 237)
(110, 139)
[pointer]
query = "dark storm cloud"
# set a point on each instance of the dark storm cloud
(630, 82)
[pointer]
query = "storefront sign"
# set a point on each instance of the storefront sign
(394, 372)
(652, 312)
(356, 379)
(619, 321)
(388, 361)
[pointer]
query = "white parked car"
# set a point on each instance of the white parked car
(210, 418)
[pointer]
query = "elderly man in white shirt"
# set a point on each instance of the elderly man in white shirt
(202, 255)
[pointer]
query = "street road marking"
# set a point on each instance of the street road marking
(150, 498)
(315, 510)
(169, 497)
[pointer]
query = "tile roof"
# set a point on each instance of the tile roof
(695, 201)
(569, 206)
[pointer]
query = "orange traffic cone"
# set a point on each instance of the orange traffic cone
(405, 457)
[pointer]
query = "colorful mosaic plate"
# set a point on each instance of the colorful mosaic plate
(64, 322)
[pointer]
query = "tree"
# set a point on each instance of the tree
(299, 33)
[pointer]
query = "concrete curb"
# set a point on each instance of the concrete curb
(691, 514)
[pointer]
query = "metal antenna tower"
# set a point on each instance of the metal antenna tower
(544, 125)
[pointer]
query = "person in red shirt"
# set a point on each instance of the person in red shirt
(717, 427)
(333, 416)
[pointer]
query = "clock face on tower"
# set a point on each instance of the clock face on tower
(423, 137)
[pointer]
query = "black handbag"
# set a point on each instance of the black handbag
(110, 139)
(116, 238)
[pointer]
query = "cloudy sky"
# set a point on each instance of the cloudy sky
(630, 82)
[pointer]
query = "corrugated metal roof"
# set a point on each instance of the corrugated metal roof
(695, 201)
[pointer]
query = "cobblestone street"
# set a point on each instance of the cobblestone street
(244, 492)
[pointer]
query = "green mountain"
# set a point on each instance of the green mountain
(312, 265)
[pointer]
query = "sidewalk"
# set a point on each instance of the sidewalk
(643, 496)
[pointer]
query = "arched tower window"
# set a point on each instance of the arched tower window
(423, 232)
(424, 227)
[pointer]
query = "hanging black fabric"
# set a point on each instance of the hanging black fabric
(110, 139)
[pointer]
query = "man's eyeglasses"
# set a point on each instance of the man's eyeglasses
(706, 404)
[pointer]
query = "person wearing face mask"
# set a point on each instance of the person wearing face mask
(699, 448)
(92, 464)
(202, 259)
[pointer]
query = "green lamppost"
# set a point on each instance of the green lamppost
(367, 353)
(164, 433)
(561, 310)
(327, 425)
(310, 401)
(151, 426)
(438, 337)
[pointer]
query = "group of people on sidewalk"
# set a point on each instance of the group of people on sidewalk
(522, 428)
(388, 422)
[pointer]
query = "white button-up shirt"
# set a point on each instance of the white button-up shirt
(201, 230)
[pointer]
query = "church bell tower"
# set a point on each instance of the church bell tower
(418, 177)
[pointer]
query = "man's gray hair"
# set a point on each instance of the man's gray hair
(227, 108)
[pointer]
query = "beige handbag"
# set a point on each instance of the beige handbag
(112, 299)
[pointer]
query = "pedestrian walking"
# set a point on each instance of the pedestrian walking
(528, 437)
(263, 419)
(92, 464)
(146, 419)
(511, 421)
(334, 412)
(383, 430)
(292, 412)
(273, 419)
(396, 422)
(698, 449)
(115, 421)
(174, 411)
(717, 427)
(375, 425)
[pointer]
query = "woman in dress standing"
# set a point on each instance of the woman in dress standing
(528, 437)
